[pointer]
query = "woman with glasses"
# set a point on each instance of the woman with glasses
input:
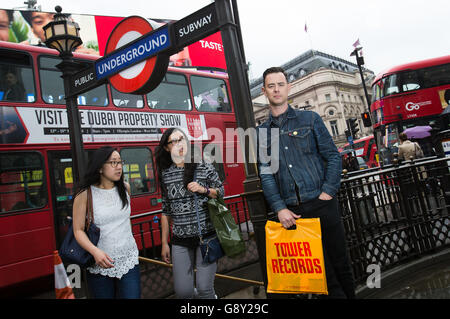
(116, 270)
(176, 167)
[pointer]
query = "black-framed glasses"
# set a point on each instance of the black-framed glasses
(176, 141)
(115, 163)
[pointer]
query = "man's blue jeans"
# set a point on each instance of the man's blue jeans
(104, 287)
(337, 263)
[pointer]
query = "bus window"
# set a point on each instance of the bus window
(391, 85)
(436, 76)
(52, 87)
(16, 77)
(210, 95)
(21, 181)
(127, 100)
(94, 97)
(138, 170)
(171, 94)
(410, 81)
(359, 148)
(377, 91)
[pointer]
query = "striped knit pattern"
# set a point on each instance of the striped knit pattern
(179, 202)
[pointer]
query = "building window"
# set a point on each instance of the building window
(328, 97)
(334, 128)
(291, 77)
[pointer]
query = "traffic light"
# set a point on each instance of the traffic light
(353, 126)
(366, 119)
(347, 134)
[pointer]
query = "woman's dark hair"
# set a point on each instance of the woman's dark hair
(92, 176)
(164, 160)
(403, 137)
(10, 14)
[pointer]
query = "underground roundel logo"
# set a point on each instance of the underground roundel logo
(142, 77)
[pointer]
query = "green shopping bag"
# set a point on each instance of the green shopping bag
(227, 231)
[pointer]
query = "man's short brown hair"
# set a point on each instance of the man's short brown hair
(274, 69)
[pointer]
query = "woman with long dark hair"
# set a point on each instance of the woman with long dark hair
(116, 270)
(176, 167)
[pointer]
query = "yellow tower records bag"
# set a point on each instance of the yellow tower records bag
(295, 262)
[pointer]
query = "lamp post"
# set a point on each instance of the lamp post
(62, 34)
(360, 61)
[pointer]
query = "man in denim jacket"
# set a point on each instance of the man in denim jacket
(300, 171)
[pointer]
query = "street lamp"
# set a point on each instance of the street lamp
(360, 62)
(62, 34)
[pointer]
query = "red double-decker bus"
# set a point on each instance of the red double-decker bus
(36, 185)
(365, 148)
(408, 95)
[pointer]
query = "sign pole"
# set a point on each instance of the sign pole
(68, 67)
(240, 92)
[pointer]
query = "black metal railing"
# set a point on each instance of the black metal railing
(395, 214)
(390, 215)
(157, 280)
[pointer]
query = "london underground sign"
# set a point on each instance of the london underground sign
(127, 46)
(137, 56)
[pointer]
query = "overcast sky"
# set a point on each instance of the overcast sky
(391, 31)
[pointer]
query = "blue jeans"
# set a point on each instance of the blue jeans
(104, 287)
(337, 262)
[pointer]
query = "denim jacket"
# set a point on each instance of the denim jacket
(307, 159)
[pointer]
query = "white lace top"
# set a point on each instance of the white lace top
(116, 238)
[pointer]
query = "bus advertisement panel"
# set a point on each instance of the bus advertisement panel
(49, 125)
(26, 27)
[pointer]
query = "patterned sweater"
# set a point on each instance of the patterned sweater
(179, 202)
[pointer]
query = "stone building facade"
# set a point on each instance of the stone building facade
(328, 85)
